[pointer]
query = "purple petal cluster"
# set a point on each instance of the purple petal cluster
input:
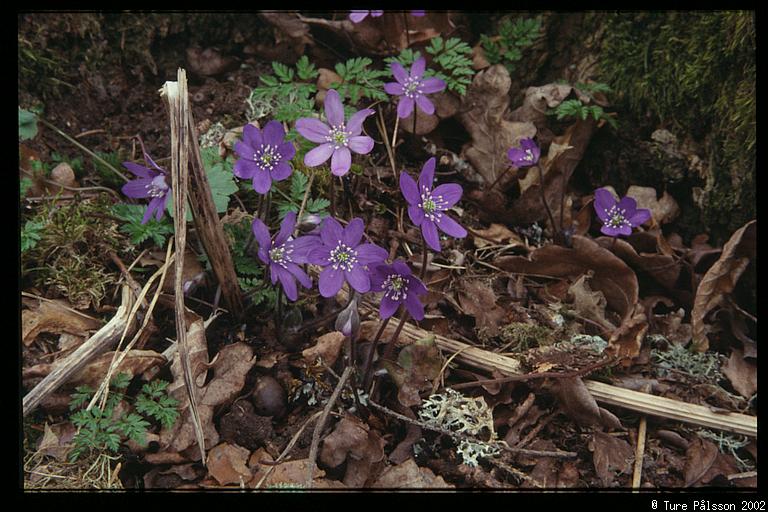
(263, 156)
(153, 182)
(343, 257)
(400, 286)
(356, 16)
(426, 207)
(284, 254)
(526, 155)
(413, 87)
(618, 217)
(337, 138)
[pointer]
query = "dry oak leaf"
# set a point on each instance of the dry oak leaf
(55, 317)
(478, 300)
(354, 442)
(417, 366)
(700, 456)
(589, 304)
(742, 373)
(611, 275)
(663, 210)
(611, 456)
(664, 269)
(134, 363)
(626, 341)
(720, 280)
(409, 475)
(57, 440)
(497, 234)
(538, 100)
(226, 463)
(579, 404)
(326, 349)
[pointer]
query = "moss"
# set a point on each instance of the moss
(519, 336)
(694, 72)
(71, 258)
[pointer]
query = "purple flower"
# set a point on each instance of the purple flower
(358, 16)
(618, 217)
(284, 254)
(264, 156)
(426, 206)
(418, 14)
(344, 257)
(526, 155)
(413, 87)
(400, 286)
(337, 139)
(153, 182)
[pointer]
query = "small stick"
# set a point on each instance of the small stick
(544, 199)
(639, 454)
(321, 424)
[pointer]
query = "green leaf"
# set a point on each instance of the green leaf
(120, 381)
(132, 214)
(27, 124)
(31, 234)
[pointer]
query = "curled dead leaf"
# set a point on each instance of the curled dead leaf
(664, 210)
(326, 349)
(720, 280)
(664, 269)
(626, 341)
(611, 456)
(417, 366)
(589, 304)
(700, 456)
(409, 475)
(354, 442)
(478, 300)
(742, 373)
(227, 464)
(54, 317)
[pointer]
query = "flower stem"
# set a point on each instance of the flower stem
(279, 314)
(369, 360)
(333, 197)
(424, 258)
(544, 199)
(415, 111)
(407, 31)
(391, 343)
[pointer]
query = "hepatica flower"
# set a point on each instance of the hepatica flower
(344, 257)
(264, 156)
(412, 87)
(526, 155)
(400, 286)
(426, 207)
(283, 255)
(618, 217)
(337, 138)
(153, 183)
(359, 15)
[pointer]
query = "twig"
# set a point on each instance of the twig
(288, 447)
(83, 148)
(639, 454)
(321, 424)
(463, 437)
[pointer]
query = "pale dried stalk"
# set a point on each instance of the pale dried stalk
(637, 475)
(100, 342)
(177, 99)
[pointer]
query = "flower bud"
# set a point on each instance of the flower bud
(348, 321)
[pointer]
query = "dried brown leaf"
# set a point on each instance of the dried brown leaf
(742, 373)
(700, 456)
(538, 100)
(664, 269)
(626, 341)
(612, 456)
(408, 475)
(327, 349)
(478, 300)
(497, 234)
(54, 317)
(135, 363)
(720, 280)
(611, 275)
(227, 464)
(663, 210)
(57, 440)
(589, 304)
(417, 366)
(354, 442)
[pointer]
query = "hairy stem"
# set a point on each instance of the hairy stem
(369, 360)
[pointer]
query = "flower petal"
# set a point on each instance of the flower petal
(604, 200)
(163, 203)
(341, 161)
(152, 207)
(427, 176)
(245, 169)
(139, 170)
(418, 67)
(450, 227)
(416, 214)
(357, 16)
(447, 195)
(286, 229)
(414, 306)
(252, 135)
(404, 107)
(353, 232)
(378, 274)
(334, 109)
(288, 282)
(629, 205)
(137, 189)
(299, 274)
(401, 268)
(425, 105)
(244, 150)
(302, 246)
(399, 72)
(318, 155)
(429, 231)
(273, 133)
(418, 13)
(361, 144)
(281, 171)
(330, 281)
(355, 124)
(318, 256)
(370, 254)
(261, 181)
(358, 279)
(287, 150)
(331, 232)
(261, 234)
(640, 217)
(152, 164)
(394, 88)
(312, 129)
(409, 188)
(387, 308)
(432, 85)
